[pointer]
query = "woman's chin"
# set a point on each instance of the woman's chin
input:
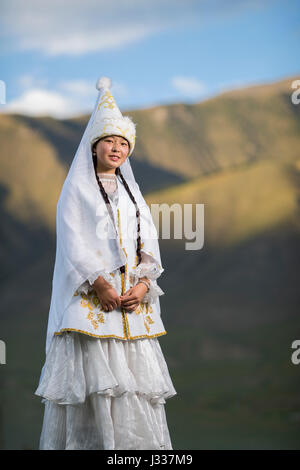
(113, 164)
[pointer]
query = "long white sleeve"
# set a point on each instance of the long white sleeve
(147, 268)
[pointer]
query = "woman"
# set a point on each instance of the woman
(105, 380)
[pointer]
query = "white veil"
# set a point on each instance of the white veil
(79, 252)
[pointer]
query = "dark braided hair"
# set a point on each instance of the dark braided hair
(108, 205)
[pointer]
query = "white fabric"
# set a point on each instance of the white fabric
(81, 251)
(104, 394)
(109, 182)
(86, 314)
(106, 388)
(144, 269)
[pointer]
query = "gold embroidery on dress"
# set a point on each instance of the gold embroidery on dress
(145, 309)
(63, 330)
(119, 224)
(123, 283)
(95, 314)
(153, 257)
(123, 280)
(91, 301)
(135, 263)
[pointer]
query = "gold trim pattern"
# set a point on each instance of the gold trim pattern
(123, 280)
(108, 100)
(92, 302)
(124, 319)
(119, 225)
(63, 330)
(146, 311)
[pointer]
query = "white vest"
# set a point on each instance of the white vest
(85, 313)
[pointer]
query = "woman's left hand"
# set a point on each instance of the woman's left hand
(133, 297)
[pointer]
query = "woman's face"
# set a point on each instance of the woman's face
(111, 152)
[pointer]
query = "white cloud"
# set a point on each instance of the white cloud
(82, 42)
(69, 99)
(86, 88)
(75, 27)
(188, 86)
(40, 102)
(30, 81)
(78, 87)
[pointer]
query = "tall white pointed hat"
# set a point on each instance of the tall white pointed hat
(108, 119)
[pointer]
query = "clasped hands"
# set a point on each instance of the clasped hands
(110, 300)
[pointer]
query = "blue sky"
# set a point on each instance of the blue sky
(155, 52)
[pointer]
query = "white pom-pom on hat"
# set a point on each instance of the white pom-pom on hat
(103, 82)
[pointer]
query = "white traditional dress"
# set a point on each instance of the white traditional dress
(105, 379)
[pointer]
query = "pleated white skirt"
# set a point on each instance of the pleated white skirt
(104, 393)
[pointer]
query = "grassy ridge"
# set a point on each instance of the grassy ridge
(239, 203)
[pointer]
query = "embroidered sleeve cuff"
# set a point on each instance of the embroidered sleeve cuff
(154, 292)
(95, 276)
(149, 267)
(86, 286)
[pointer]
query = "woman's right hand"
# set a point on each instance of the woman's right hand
(106, 294)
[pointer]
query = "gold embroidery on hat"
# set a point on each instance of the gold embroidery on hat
(104, 129)
(123, 131)
(130, 137)
(107, 99)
